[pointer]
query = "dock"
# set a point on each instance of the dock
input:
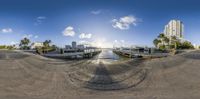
(86, 53)
(137, 53)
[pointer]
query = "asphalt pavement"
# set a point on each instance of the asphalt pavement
(28, 76)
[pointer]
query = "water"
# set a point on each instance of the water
(107, 56)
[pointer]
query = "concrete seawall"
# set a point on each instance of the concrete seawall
(130, 54)
(73, 55)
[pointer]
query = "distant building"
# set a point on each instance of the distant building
(36, 44)
(68, 47)
(174, 28)
(80, 47)
(74, 45)
(196, 46)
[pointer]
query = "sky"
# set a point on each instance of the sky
(102, 23)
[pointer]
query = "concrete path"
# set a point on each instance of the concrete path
(26, 76)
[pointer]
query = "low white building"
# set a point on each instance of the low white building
(36, 44)
(196, 46)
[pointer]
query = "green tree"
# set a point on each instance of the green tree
(161, 35)
(166, 40)
(174, 42)
(24, 43)
(54, 47)
(46, 45)
(161, 39)
(187, 45)
(162, 47)
(156, 42)
(2, 47)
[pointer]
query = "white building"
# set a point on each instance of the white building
(36, 44)
(174, 28)
(196, 46)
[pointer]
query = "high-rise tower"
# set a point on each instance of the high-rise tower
(174, 28)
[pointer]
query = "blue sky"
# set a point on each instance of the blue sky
(98, 22)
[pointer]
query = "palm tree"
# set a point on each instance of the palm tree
(156, 42)
(166, 40)
(174, 38)
(46, 44)
(24, 43)
(174, 41)
(161, 35)
(54, 47)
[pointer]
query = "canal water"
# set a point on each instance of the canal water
(107, 56)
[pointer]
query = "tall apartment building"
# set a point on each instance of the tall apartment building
(174, 28)
(74, 45)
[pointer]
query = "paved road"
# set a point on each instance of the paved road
(26, 76)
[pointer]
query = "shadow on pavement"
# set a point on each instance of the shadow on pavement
(102, 80)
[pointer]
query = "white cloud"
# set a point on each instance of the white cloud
(115, 41)
(124, 22)
(119, 43)
(85, 36)
(98, 42)
(36, 36)
(102, 43)
(122, 41)
(27, 36)
(69, 31)
(41, 17)
(39, 20)
(6, 30)
(84, 42)
(96, 12)
(14, 43)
